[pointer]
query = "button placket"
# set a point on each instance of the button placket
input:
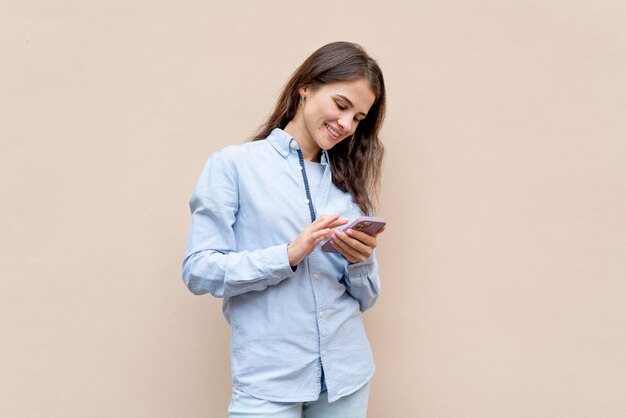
(320, 302)
(306, 183)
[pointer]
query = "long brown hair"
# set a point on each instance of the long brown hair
(356, 162)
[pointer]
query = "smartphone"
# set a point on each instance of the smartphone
(368, 224)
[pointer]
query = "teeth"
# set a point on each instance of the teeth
(332, 131)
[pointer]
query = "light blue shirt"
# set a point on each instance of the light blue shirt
(314, 174)
(249, 203)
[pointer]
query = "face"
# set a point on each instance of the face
(331, 113)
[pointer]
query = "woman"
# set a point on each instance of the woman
(259, 211)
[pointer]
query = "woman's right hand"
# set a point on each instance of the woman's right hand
(321, 229)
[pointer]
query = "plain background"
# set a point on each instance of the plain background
(504, 262)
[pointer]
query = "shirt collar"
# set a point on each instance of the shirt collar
(284, 143)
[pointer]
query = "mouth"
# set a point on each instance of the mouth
(334, 134)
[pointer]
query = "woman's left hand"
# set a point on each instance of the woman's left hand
(355, 246)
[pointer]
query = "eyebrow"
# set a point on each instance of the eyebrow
(350, 103)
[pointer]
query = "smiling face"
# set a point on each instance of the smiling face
(329, 114)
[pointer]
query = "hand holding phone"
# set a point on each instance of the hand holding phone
(368, 224)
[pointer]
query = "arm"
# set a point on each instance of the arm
(362, 282)
(361, 273)
(212, 263)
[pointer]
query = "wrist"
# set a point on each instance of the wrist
(291, 257)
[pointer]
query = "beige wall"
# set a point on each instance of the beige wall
(504, 264)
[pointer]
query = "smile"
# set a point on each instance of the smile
(333, 132)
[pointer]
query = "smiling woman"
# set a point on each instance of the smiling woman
(356, 163)
(328, 116)
(259, 213)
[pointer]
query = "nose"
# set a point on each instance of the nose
(345, 122)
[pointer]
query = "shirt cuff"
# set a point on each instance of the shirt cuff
(277, 262)
(357, 272)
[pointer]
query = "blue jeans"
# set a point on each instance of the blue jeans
(351, 406)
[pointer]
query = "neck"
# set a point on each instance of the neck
(310, 150)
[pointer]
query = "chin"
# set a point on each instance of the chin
(326, 145)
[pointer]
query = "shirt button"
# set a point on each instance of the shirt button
(306, 201)
(300, 167)
(322, 314)
(293, 145)
(316, 276)
(323, 353)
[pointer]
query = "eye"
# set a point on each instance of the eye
(340, 106)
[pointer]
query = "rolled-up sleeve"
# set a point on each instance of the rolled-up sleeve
(212, 263)
(362, 282)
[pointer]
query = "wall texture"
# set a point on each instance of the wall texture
(504, 262)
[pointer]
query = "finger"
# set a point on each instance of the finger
(321, 235)
(352, 246)
(344, 250)
(366, 239)
(324, 221)
(338, 222)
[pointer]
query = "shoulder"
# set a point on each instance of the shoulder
(237, 154)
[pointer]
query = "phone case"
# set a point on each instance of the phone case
(368, 224)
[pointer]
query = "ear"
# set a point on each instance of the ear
(303, 91)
